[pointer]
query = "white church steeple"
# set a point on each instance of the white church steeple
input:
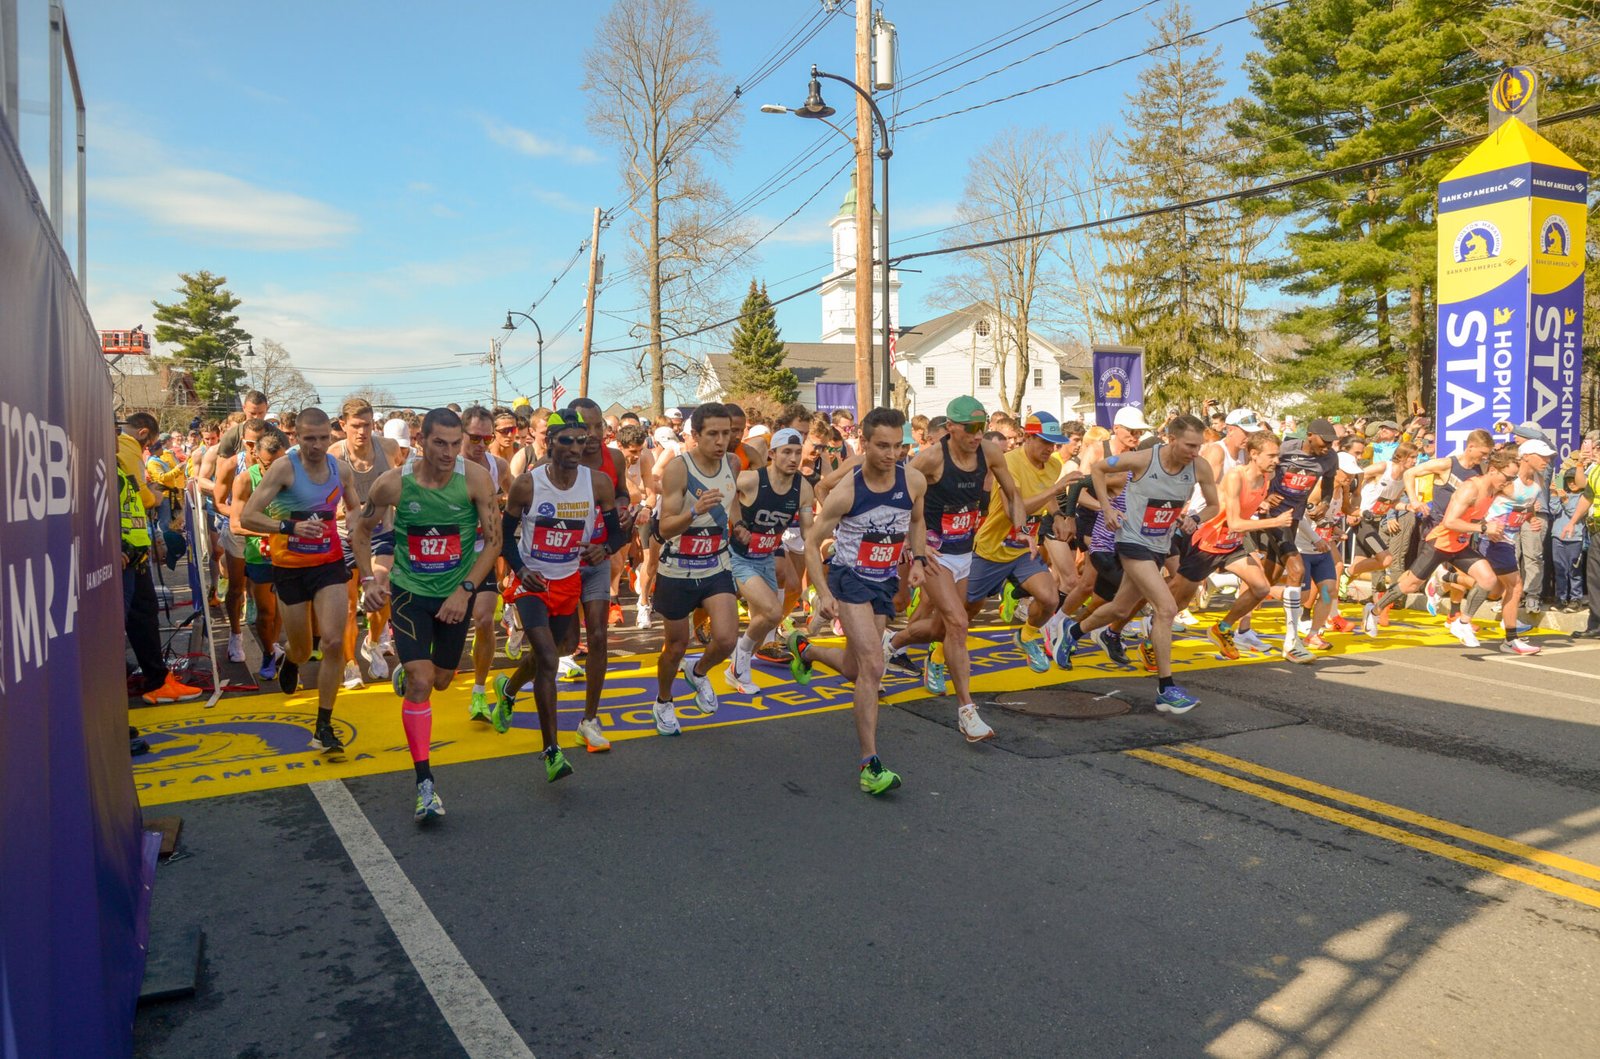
(839, 292)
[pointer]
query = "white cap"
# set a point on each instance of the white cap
(757, 431)
(1535, 447)
(399, 432)
(1243, 417)
(1130, 418)
(787, 436)
(1349, 464)
(665, 436)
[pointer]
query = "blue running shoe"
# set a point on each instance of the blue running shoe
(1038, 661)
(1176, 700)
(1065, 645)
(933, 677)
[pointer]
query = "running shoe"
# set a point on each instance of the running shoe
(1383, 616)
(742, 682)
(1431, 592)
(397, 681)
(774, 652)
(1185, 619)
(1111, 640)
(352, 676)
(1250, 640)
(1057, 633)
(516, 642)
(582, 650)
(235, 647)
(1147, 655)
(249, 610)
(1175, 700)
(903, 661)
(1369, 621)
(478, 709)
(799, 667)
(1224, 641)
(744, 611)
(702, 628)
(705, 696)
(1344, 586)
(666, 715)
(875, 779)
(593, 740)
(972, 726)
(643, 620)
(933, 677)
(1298, 654)
(326, 740)
(171, 690)
(1339, 623)
(504, 705)
(1464, 632)
(288, 677)
(377, 665)
(270, 664)
(1519, 646)
(555, 764)
(1008, 603)
(567, 668)
(429, 804)
(614, 616)
(1316, 643)
(1038, 661)
(386, 641)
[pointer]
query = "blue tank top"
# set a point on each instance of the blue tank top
(873, 532)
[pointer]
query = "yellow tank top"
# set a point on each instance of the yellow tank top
(998, 540)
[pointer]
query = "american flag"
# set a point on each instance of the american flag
(557, 392)
(894, 341)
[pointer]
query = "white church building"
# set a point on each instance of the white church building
(939, 359)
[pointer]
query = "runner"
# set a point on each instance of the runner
(770, 499)
(267, 449)
(297, 502)
(870, 516)
(368, 457)
(477, 424)
(955, 469)
(1304, 466)
(1160, 482)
(1383, 502)
(1512, 507)
(696, 490)
(549, 520)
(227, 472)
(436, 504)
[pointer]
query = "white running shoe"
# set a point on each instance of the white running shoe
(643, 621)
(1186, 619)
(377, 665)
(1369, 621)
(514, 642)
(1249, 639)
(972, 726)
(705, 696)
(666, 719)
(741, 682)
(1519, 646)
(593, 740)
(386, 641)
(567, 668)
(1303, 626)
(235, 647)
(1463, 631)
(352, 676)
(888, 646)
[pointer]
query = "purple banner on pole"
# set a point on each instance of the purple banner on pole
(70, 847)
(1118, 381)
(832, 396)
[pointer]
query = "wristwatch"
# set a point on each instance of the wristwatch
(470, 587)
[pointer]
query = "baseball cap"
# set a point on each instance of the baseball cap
(567, 417)
(676, 413)
(521, 402)
(1244, 419)
(1322, 428)
(760, 430)
(965, 410)
(1530, 431)
(665, 436)
(1047, 427)
(1373, 428)
(1535, 447)
(1130, 418)
(787, 436)
(906, 437)
(1348, 463)
(398, 431)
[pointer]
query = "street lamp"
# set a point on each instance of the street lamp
(537, 330)
(815, 108)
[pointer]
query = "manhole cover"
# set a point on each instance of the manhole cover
(1067, 705)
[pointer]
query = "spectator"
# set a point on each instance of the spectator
(1567, 547)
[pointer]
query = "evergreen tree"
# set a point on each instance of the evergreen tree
(758, 351)
(203, 326)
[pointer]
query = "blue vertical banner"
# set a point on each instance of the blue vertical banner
(1118, 381)
(72, 854)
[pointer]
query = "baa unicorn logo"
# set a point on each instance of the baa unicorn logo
(1555, 238)
(1478, 241)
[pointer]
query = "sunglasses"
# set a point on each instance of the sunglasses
(571, 439)
(505, 432)
(970, 428)
(481, 439)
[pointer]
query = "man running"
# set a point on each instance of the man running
(264, 452)
(1512, 508)
(549, 520)
(368, 457)
(870, 516)
(1304, 466)
(233, 545)
(297, 502)
(440, 502)
(477, 424)
(770, 499)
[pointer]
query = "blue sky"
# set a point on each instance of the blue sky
(381, 182)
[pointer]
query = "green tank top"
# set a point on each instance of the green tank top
(252, 545)
(434, 534)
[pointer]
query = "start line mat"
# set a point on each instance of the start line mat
(257, 742)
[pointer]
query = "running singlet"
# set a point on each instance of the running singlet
(872, 533)
(953, 506)
(768, 516)
(1101, 538)
(431, 526)
(252, 544)
(1155, 499)
(304, 500)
(1514, 509)
(998, 540)
(557, 524)
(609, 467)
(1449, 541)
(702, 549)
(1445, 488)
(1215, 538)
(1298, 474)
(1379, 496)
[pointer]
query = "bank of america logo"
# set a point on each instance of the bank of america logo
(101, 499)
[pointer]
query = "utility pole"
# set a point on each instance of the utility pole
(588, 321)
(864, 229)
(494, 373)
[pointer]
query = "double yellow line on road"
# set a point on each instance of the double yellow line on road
(1471, 858)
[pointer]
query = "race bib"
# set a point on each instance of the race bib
(879, 552)
(1381, 507)
(1299, 481)
(763, 544)
(433, 549)
(1515, 519)
(1020, 536)
(319, 545)
(1159, 517)
(958, 524)
(699, 548)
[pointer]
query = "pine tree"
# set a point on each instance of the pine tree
(758, 351)
(204, 328)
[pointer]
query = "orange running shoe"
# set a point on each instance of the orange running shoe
(615, 618)
(171, 691)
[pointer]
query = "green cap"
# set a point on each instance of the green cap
(966, 410)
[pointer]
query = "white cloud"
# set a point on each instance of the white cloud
(226, 208)
(559, 201)
(535, 146)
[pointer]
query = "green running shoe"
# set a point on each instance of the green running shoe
(503, 705)
(1008, 602)
(478, 708)
(797, 665)
(875, 779)
(555, 764)
(397, 680)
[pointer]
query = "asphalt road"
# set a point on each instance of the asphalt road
(1395, 855)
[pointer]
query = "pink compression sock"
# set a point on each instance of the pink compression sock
(417, 717)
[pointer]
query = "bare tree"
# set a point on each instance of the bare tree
(1014, 185)
(655, 90)
(273, 373)
(1092, 184)
(380, 398)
